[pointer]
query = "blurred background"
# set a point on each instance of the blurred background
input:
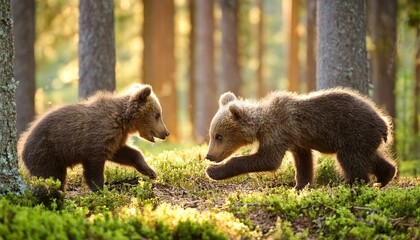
(192, 51)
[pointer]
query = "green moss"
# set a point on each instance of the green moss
(284, 230)
(340, 212)
(326, 173)
(183, 203)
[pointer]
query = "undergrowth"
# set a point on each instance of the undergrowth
(183, 203)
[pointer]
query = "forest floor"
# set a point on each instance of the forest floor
(183, 203)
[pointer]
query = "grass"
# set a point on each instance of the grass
(183, 203)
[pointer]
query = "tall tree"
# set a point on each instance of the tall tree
(311, 41)
(261, 88)
(191, 66)
(10, 180)
(382, 28)
(96, 47)
(159, 57)
(417, 84)
(293, 43)
(205, 85)
(342, 57)
(414, 22)
(24, 37)
(230, 79)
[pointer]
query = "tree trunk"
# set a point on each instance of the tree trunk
(191, 67)
(24, 37)
(311, 41)
(382, 28)
(10, 180)
(293, 60)
(417, 84)
(159, 57)
(342, 57)
(205, 86)
(96, 47)
(230, 79)
(261, 88)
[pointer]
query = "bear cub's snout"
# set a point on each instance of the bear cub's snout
(166, 134)
(209, 157)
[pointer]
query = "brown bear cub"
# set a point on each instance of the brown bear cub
(91, 132)
(337, 121)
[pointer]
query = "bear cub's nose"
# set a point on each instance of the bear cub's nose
(167, 133)
(209, 157)
(164, 135)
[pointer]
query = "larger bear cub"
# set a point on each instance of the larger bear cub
(337, 121)
(91, 132)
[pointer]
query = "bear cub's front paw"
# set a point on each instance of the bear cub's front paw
(149, 173)
(215, 171)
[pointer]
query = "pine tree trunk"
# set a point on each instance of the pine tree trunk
(10, 180)
(293, 64)
(342, 57)
(205, 86)
(159, 57)
(96, 47)
(311, 41)
(382, 28)
(417, 85)
(191, 67)
(24, 37)
(230, 79)
(261, 88)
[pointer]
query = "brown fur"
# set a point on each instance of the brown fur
(91, 132)
(337, 121)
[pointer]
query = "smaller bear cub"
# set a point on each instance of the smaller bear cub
(337, 121)
(91, 132)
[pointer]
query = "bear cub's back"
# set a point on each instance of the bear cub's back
(328, 120)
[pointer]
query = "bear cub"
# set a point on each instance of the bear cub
(91, 132)
(335, 120)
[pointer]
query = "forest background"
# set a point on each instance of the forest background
(191, 51)
(270, 56)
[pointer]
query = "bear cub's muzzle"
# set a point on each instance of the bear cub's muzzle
(210, 157)
(164, 135)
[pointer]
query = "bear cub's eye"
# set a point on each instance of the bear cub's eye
(157, 116)
(218, 137)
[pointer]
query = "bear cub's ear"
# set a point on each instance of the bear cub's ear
(141, 95)
(237, 112)
(225, 98)
(138, 95)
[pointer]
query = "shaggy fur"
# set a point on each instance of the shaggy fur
(91, 132)
(337, 121)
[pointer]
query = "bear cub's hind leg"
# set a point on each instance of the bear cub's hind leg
(354, 166)
(303, 167)
(56, 174)
(131, 157)
(383, 169)
(50, 170)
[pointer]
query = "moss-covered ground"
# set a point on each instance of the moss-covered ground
(183, 203)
